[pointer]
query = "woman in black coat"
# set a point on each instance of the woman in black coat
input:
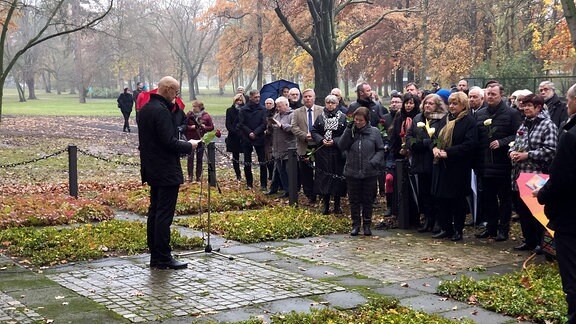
(326, 132)
(421, 137)
(233, 138)
(364, 162)
(452, 166)
(125, 103)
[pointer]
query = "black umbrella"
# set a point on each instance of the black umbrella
(273, 89)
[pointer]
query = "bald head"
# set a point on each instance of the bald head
(168, 87)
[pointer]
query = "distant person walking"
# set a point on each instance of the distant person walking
(125, 103)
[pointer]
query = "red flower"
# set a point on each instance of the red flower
(382, 121)
(520, 133)
(218, 133)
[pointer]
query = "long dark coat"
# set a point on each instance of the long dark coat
(329, 160)
(233, 138)
(451, 176)
(421, 144)
(159, 146)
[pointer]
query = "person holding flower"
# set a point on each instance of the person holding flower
(497, 126)
(198, 123)
(398, 146)
(422, 137)
(452, 166)
(326, 132)
(532, 152)
(364, 162)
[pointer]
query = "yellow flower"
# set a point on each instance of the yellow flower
(421, 125)
(488, 122)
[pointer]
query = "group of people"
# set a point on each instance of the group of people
(447, 138)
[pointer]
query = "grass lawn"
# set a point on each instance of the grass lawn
(51, 104)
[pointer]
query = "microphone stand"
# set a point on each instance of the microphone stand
(208, 248)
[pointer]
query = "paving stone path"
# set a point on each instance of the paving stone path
(209, 285)
(263, 279)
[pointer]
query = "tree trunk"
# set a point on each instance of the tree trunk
(569, 8)
(21, 94)
(325, 78)
(259, 50)
(47, 82)
(30, 82)
(400, 79)
(424, 62)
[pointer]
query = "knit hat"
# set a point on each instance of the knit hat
(444, 94)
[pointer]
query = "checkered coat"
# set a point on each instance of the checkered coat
(538, 137)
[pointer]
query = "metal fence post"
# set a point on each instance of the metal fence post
(212, 164)
(403, 192)
(73, 170)
(292, 177)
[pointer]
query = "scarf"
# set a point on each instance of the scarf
(331, 122)
(445, 135)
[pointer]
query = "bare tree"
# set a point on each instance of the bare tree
(56, 22)
(190, 35)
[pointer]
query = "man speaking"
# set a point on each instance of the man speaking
(160, 151)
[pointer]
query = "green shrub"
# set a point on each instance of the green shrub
(50, 245)
(270, 224)
(533, 295)
(379, 310)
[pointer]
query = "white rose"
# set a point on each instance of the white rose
(421, 125)
(431, 131)
(512, 144)
(488, 122)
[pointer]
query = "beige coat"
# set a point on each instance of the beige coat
(300, 127)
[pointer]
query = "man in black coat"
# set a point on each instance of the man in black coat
(497, 126)
(251, 127)
(557, 196)
(364, 92)
(160, 167)
(556, 108)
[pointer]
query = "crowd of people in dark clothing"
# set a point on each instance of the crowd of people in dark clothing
(465, 149)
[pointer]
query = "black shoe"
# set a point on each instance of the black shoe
(311, 200)
(470, 223)
(524, 247)
(441, 235)
(128, 129)
(338, 211)
(271, 192)
(484, 234)
(367, 231)
(172, 264)
(538, 250)
(456, 237)
(388, 212)
(284, 195)
(355, 231)
(501, 237)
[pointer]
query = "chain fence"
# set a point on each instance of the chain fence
(45, 157)
(218, 149)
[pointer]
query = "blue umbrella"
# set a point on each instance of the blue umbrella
(273, 89)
